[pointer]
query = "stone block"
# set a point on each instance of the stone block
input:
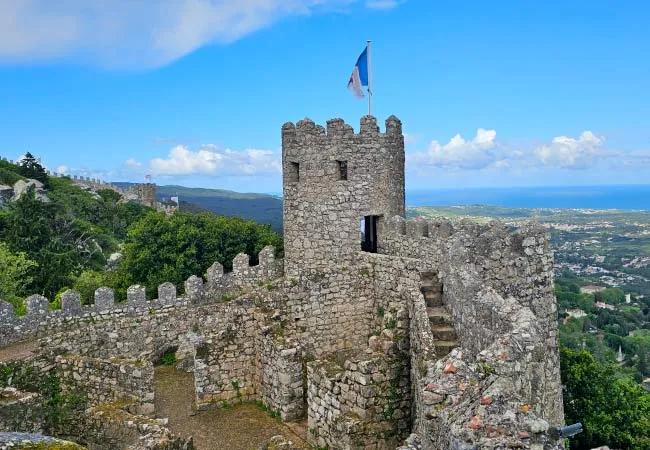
(71, 302)
(36, 304)
(6, 311)
(241, 263)
(167, 293)
(104, 298)
(214, 272)
(136, 296)
(194, 289)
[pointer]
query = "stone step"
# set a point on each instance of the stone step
(443, 332)
(432, 298)
(444, 347)
(434, 287)
(438, 315)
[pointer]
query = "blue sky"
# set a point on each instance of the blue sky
(507, 93)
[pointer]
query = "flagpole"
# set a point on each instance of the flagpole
(369, 81)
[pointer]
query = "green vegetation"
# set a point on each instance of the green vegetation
(74, 232)
(163, 248)
(614, 410)
(14, 277)
(168, 358)
(65, 242)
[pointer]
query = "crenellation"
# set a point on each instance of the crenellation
(214, 272)
(194, 291)
(241, 263)
(37, 305)
(167, 293)
(136, 296)
(70, 302)
(104, 298)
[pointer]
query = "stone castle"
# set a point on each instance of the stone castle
(383, 333)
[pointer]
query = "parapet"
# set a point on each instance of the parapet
(527, 240)
(337, 129)
(217, 284)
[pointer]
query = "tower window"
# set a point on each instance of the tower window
(368, 227)
(293, 174)
(342, 167)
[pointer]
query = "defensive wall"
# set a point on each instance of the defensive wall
(440, 332)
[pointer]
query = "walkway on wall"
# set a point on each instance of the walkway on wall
(241, 427)
(18, 350)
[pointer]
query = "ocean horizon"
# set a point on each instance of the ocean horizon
(624, 197)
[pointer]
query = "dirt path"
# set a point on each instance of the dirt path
(242, 427)
(18, 350)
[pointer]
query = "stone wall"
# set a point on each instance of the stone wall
(280, 369)
(514, 264)
(109, 380)
(224, 363)
(363, 399)
(110, 427)
(322, 209)
(365, 403)
(40, 321)
(20, 411)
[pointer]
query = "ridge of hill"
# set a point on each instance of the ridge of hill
(262, 208)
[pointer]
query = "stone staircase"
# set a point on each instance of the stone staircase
(441, 325)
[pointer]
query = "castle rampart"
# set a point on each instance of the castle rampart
(445, 330)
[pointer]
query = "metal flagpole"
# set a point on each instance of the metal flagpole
(369, 81)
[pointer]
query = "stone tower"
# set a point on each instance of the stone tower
(337, 185)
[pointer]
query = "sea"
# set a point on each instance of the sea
(624, 197)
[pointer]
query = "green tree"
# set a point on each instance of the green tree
(30, 167)
(59, 243)
(15, 276)
(614, 410)
(163, 248)
(613, 296)
(87, 282)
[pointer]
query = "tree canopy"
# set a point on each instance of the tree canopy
(163, 248)
(30, 167)
(614, 410)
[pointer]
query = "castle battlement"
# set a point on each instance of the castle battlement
(373, 326)
(337, 129)
(526, 236)
(197, 291)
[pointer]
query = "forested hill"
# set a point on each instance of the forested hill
(261, 208)
(56, 235)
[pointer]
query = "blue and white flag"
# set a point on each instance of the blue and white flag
(359, 77)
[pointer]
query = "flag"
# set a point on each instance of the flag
(174, 199)
(359, 75)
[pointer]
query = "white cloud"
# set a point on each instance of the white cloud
(572, 153)
(476, 153)
(210, 160)
(562, 152)
(62, 169)
(126, 33)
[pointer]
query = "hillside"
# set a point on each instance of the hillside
(261, 208)
(56, 234)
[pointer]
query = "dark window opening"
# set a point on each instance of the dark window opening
(342, 169)
(293, 174)
(369, 234)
